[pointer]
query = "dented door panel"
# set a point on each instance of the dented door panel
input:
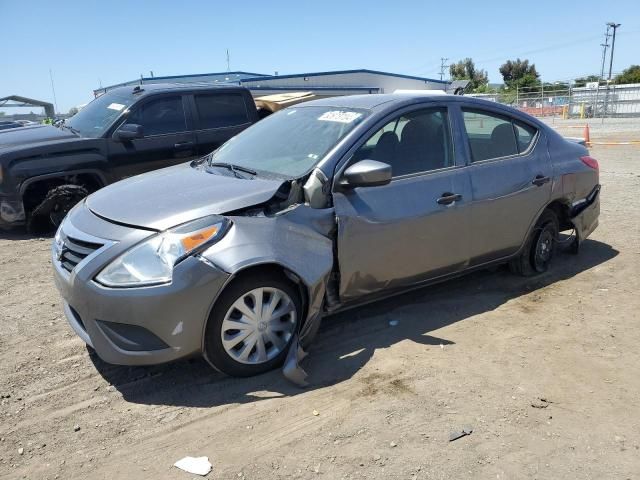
(396, 235)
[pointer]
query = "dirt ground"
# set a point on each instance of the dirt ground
(545, 371)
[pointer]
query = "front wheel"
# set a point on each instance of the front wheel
(540, 247)
(48, 215)
(252, 325)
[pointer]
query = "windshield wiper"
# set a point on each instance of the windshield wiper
(70, 128)
(234, 168)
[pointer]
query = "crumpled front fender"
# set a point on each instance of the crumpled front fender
(298, 239)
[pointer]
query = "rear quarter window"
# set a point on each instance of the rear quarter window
(524, 135)
(221, 110)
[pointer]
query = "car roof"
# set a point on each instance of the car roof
(391, 101)
(148, 88)
(381, 101)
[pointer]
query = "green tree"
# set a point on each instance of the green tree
(466, 70)
(629, 75)
(519, 73)
(582, 81)
(556, 87)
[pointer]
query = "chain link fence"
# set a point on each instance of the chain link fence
(591, 101)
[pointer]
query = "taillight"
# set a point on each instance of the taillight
(590, 162)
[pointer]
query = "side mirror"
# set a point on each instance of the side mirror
(367, 173)
(128, 132)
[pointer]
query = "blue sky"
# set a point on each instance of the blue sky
(87, 42)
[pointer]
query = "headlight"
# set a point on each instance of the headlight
(151, 262)
(58, 244)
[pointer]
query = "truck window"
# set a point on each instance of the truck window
(161, 116)
(221, 110)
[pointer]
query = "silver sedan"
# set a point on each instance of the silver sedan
(319, 207)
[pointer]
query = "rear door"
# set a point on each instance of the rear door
(415, 227)
(168, 137)
(510, 172)
(218, 117)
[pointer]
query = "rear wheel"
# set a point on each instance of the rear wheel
(252, 325)
(540, 247)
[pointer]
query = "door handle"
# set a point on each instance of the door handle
(448, 198)
(540, 180)
(183, 145)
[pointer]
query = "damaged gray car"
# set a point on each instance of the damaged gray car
(319, 207)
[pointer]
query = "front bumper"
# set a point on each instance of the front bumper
(136, 326)
(11, 211)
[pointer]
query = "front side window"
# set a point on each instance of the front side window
(160, 116)
(416, 142)
(494, 136)
(290, 142)
(221, 110)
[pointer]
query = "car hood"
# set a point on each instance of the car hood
(32, 135)
(165, 198)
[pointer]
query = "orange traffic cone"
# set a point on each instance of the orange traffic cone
(587, 138)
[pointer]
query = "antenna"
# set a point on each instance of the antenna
(53, 89)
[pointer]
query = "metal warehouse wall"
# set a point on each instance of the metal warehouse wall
(381, 83)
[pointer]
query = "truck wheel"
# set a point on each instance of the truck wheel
(252, 325)
(49, 214)
(540, 247)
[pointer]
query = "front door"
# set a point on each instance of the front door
(510, 172)
(167, 140)
(414, 228)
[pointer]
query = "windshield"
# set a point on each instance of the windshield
(94, 119)
(291, 142)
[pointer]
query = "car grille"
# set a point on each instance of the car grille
(74, 251)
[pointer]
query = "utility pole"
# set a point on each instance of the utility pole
(604, 46)
(614, 26)
(53, 89)
(443, 61)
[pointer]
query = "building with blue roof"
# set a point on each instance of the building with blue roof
(329, 83)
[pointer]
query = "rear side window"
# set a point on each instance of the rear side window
(221, 110)
(161, 116)
(494, 136)
(490, 136)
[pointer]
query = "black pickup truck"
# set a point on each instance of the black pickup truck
(45, 170)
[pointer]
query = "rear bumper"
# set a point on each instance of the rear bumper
(584, 214)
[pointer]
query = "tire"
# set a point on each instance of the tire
(540, 247)
(243, 356)
(48, 215)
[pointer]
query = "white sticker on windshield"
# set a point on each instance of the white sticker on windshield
(116, 106)
(339, 116)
